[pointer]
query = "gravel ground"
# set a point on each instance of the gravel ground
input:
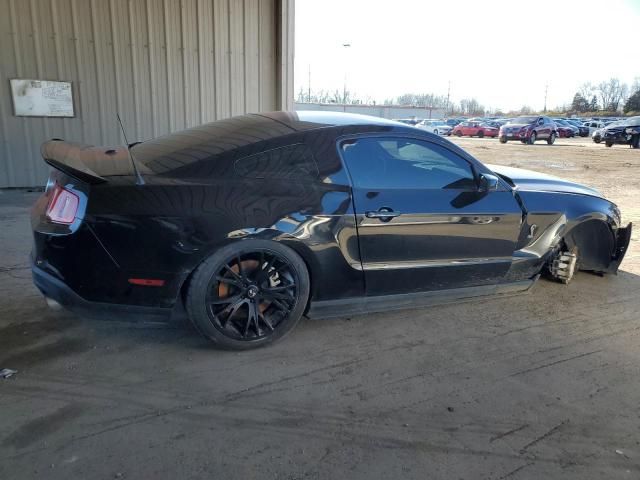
(542, 385)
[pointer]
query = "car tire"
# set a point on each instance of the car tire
(635, 141)
(552, 138)
(481, 134)
(532, 138)
(436, 131)
(503, 139)
(597, 139)
(248, 294)
(459, 133)
(608, 144)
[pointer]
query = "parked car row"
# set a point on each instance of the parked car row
(531, 128)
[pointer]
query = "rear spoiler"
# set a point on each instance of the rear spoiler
(87, 163)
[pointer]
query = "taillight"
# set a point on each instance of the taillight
(63, 206)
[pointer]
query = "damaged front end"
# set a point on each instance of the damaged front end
(623, 237)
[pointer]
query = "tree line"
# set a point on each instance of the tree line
(466, 106)
(610, 96)
(607, 97)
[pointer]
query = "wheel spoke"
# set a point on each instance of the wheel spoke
(265, 320)
(256, 318)
(234, 308)
(240, 269)
(249, 319)
(280, 288)
(271, 295)
(230, 281)
(234, 274)
(280, 306)
(224, 301)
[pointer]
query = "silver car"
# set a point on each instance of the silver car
(438, 127)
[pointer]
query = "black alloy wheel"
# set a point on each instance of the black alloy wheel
(248, 294)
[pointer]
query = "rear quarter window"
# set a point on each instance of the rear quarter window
(293, 162)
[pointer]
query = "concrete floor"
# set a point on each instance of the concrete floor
(538, 386)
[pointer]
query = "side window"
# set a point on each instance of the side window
(290, 162)
(402, 163)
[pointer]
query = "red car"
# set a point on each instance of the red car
(474, 129)
(564, 132)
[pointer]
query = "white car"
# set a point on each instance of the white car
(593, 125)
(438, 127)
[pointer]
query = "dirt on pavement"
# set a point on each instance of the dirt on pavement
(543, 385)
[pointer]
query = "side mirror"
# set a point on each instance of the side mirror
(488, 182)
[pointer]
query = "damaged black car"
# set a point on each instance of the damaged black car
(625, 132)
(249, 223)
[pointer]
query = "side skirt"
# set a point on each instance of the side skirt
(383, 303)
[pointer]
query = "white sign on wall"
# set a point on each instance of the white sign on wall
(41, 98)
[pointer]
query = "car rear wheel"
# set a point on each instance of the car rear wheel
(481, 134)
(552, 138)
(635, 141)
(597, 139)
(608, 143)
(503, 139)
(459, 133)
(532, 138)
(248, 294)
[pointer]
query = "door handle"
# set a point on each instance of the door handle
(385, 214)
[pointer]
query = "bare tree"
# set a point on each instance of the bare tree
(427, 100)
(586, 90)
(612, 93)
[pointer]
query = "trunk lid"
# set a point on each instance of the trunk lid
(90, 164)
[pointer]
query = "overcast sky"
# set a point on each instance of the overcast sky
(501, 52)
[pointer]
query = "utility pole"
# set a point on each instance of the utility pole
(344, 86)
(546, 89)
(309, 86)
(448, 94)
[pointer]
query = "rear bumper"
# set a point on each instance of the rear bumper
(55, 289)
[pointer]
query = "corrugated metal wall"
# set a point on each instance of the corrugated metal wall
(164, 65)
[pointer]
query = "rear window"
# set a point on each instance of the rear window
(294, 162)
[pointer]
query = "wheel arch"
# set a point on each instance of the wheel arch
(305, 253)
(595, 242)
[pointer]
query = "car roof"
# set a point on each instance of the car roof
(170, 151)
(309, 119)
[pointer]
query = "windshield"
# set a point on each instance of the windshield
(524, 120)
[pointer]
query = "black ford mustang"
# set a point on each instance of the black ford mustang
(251, 222)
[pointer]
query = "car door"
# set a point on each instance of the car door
(423, 223)
(541, 129)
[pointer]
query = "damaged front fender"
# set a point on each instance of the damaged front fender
(623, 237)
